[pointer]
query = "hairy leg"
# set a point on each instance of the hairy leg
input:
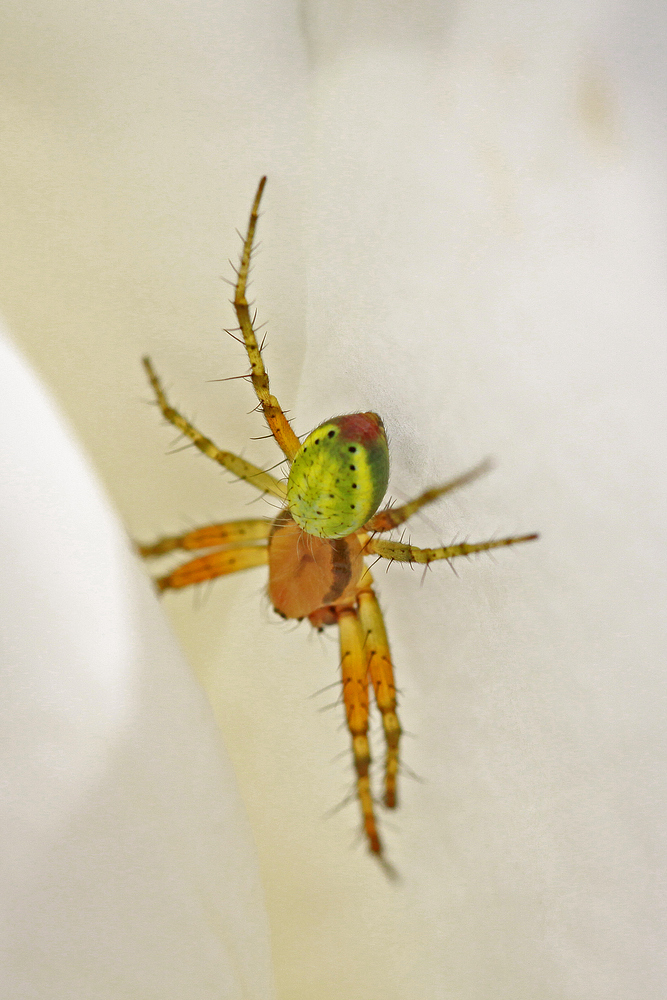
(402, 552)
(230, 533)
(378, 657)
(391, 517)
(355, 695)
(275, 418)
(218, 563)
(238, 466)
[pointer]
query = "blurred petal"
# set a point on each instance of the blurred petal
(127, 863)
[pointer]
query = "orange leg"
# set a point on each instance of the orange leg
(355, 695)
(378, 658)
(215, 564)
(278, 423)
(391, 517)
(230, 533)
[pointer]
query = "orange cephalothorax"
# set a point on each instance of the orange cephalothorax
(307, 573)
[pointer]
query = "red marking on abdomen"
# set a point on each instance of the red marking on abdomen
(366, 428)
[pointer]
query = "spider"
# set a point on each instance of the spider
(315, 548)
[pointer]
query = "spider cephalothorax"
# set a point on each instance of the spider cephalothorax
(315, 547)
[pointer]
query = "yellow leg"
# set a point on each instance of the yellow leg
(230, 533)
(391, 517)
(378, 658)
(244, 470)
(214, 564)
(410, 553)
(275, 418)
(355, 696)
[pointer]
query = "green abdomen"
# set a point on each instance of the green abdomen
(339, 476)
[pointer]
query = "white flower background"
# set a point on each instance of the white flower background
(465, 230)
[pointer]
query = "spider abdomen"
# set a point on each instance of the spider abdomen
(339, 475)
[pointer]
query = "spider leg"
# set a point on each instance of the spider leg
(230, 533)
(391, 517)
(381, 670)
(218, 563)
(244, 470)
(275, 418)
(355, 695)
(402, 552)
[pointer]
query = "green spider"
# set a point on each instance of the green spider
(315, 547)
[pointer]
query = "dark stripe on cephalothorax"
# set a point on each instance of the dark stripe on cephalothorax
(341, 569)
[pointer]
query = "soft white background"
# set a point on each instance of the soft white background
(464, 229)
